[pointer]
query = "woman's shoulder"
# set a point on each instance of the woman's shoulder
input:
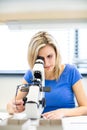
(71, 73)
(28, 75)
(72, 70)
(28, 72)
(70, 67)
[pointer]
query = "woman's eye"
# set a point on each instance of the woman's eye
(49, 56)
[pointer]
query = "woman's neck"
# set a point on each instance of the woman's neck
(51, 75)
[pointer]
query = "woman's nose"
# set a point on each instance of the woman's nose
(46, 62)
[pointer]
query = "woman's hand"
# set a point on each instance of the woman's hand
(15, 106)
(56, 114)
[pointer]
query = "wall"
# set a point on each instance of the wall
(8, 84)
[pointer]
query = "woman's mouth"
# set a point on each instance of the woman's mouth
(47, 67)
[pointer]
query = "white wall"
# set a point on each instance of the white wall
(85, 83)
(8, 84)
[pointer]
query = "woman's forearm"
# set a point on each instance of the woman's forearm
(65, 112)
(78, 111)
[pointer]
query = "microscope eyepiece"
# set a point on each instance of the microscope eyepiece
(40, 57)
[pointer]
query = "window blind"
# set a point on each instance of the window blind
(14, 43)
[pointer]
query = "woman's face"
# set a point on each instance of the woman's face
(49, 55)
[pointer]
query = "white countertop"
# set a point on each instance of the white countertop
(21, 122)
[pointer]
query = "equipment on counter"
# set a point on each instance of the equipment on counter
(35, 100)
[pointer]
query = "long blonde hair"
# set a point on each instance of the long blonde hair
(38, 41)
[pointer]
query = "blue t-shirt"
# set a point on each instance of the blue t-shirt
(61, 94)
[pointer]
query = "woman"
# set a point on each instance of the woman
(64, 80)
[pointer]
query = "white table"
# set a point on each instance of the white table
(20, 122)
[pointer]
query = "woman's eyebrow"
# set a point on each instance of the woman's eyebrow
(49, 55)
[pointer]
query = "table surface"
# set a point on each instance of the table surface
(20, 122)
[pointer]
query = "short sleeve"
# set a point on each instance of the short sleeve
(28, 76)
(75, 75)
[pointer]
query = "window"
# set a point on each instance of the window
(14, 43)
(80, 49)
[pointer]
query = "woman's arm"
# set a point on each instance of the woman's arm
(81, 109)
(20, 94)
(16, 104)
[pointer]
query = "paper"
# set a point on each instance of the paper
(19, 116)
(4, 115)
(74, 123)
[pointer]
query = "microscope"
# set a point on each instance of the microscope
(35, 100)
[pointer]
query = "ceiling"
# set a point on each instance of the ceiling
(11, 10)
(41, 5)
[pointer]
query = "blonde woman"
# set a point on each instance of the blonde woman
(64, 79)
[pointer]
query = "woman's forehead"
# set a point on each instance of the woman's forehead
(46, 50)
